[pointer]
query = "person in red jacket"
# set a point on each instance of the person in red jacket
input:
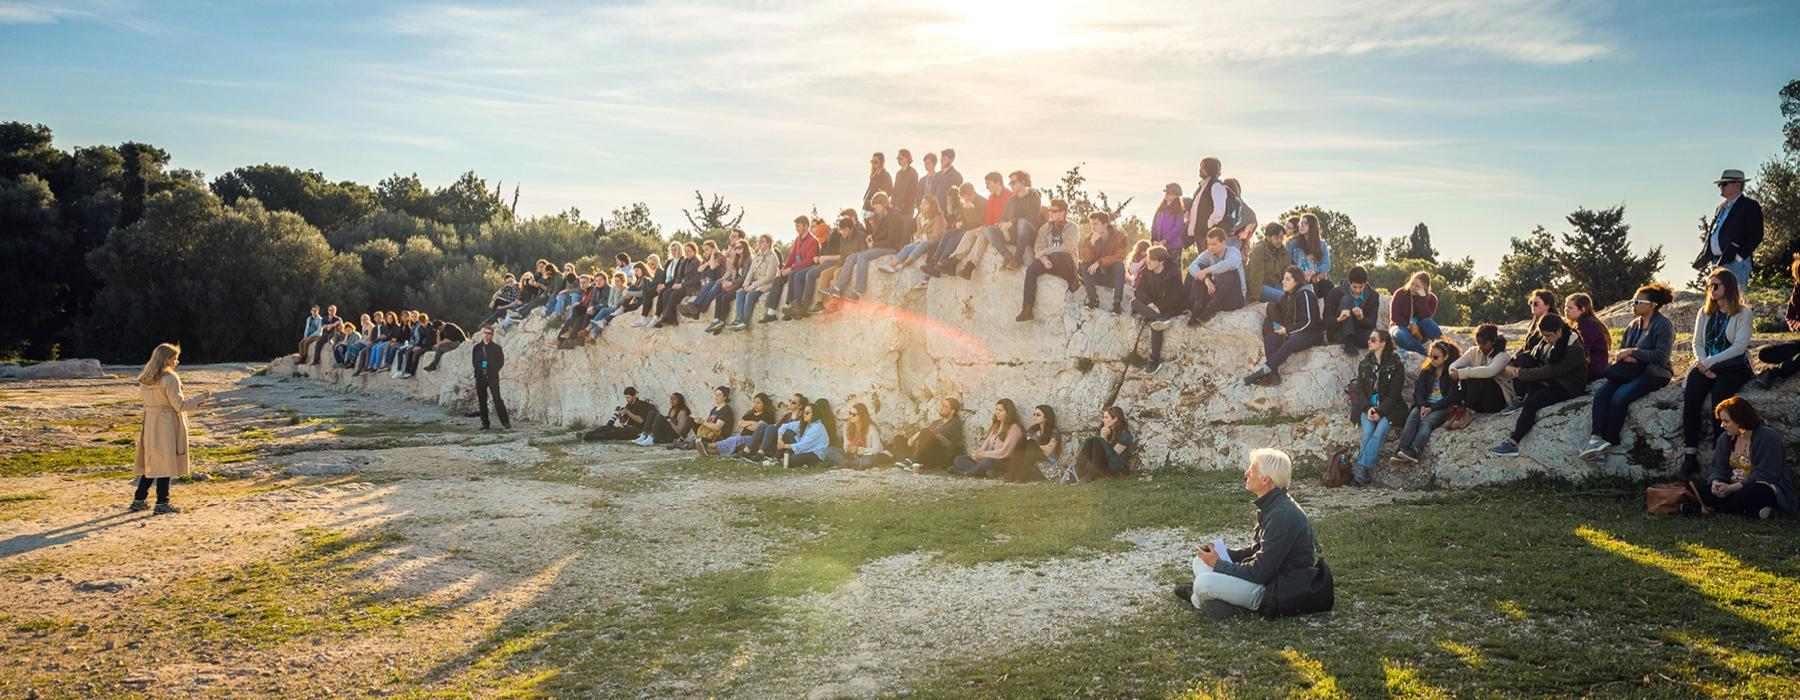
(1414, 314)
(799, 258)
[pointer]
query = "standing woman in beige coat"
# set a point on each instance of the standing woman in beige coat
(162, 449)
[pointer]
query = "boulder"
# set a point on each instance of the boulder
(54, 369)
(907, 344)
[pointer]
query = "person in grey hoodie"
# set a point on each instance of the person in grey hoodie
(1642, 367)
(1059, 237)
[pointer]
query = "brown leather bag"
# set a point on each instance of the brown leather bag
(1337, 469)
(1666, 499)
(1459, 418)
(707, 432)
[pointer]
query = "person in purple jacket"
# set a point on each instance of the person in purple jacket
(1579, 308)
(1170, 223)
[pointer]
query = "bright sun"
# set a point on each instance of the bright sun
(1011, 25)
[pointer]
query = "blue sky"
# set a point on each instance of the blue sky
(1481, 119)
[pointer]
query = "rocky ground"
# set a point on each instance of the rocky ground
(363, 545)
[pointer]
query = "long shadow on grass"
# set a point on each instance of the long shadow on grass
(1491, 592)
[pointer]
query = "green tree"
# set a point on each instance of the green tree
(710, 217)
(1073, 189)
(1777, 188)
(1596, 257)
(1414, 246)
(32, 247)
(324, 204)
(634, 217)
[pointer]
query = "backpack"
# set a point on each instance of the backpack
(1233, 219)
(1337, 469)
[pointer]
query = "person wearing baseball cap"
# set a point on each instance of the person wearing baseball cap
(1170, 223)
(1737, 229)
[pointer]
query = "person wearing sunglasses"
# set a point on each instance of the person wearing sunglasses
(1735, 232)
(1640, 366)
(1721, 362)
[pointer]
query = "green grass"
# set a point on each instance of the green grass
(311, 593)
(21, 497)
(1518, 591)
(72, 458)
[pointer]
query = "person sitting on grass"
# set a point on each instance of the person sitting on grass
(628, 420)
(662, 429)
(933, 446)
(1556, 372)
(1106, 454)
(1639, 367)
(1355, 312)
(762, 412)
(1215, 279)
(1379, 399)
(805, 442)
(1156, 298)
(1003, 437)
(717, 424)
(1282, 560)
(861, 439)
(1750, 474)
(1434, 395)
(1413, 311)
(766, 438)
(1042, 446)
(1291, 325)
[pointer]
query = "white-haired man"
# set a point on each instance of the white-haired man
(1283, 554)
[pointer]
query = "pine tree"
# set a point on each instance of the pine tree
(1597, 256)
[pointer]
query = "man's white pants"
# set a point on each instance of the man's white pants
(1209, 585)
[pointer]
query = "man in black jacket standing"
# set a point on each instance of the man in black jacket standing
(1737, 229)
(488, 360)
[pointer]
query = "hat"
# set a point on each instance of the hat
(1172, 188)
(1730, 176)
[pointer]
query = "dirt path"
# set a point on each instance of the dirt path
(362, 545)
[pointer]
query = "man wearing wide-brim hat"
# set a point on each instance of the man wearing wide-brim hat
(1737, 229)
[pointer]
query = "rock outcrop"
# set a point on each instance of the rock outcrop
(907, 344)
(54, 369)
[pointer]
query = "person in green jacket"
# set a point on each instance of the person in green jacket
(1265, 263)
(1380, 400)
(1559, 374)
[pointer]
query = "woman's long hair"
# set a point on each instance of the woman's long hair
(1009, 418)
(860, 421)
(1734, 299)
(760, 408)
(1118, 415)
(1387, 345)
(821, 409)
(1452, 352)
(678, 403)
(1311, 234)
(158, 364)
(1049, 430)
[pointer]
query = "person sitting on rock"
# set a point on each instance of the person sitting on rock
(1379, 399)
(1282, 558)
(1578, 312)
(1003, 437)
(628, 420)
(1215, 279)
(1435, 393)
(449, 337)
(1309, 251)
(1541, 302)
(1354, 308)
(1268, 258)
(1413, 311)
(762, 412)
(1106, 454)
(933, 446)
(1059, 236)
(1482, 371)
(1556, 373)
(1785, 357)
(1134, 263)
(1640, 367)
(1158, 297)
(1749, 473)
(887, 235)
(1103, 260)
(1722, 332)
(1291, 325)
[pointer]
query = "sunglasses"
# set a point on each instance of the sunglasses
(1641, 301)
(1715, 285)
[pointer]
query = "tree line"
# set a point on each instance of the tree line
(106, 250)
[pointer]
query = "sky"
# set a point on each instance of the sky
(1481, 119)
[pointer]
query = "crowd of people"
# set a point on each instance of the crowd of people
(944, 227)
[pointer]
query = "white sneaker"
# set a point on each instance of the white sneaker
(1159, 325)
(1765, 512)
(1596, 450)
(768, 463)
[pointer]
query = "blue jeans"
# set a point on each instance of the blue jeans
(1613, 399)
(1024, 239)
(1418, 430)
(601, 316)
(785, 288)
(1373, 433)
(1271, 294)
(746, 305)
(970, 466)
(1740, 268)
(946, 246)
(856, 269)
(914, 251)
(708, 293)
(731, 444)
(808, 284)
(1404, 338)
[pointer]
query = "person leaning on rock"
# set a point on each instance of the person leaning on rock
(162, 449)
(488, 359)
